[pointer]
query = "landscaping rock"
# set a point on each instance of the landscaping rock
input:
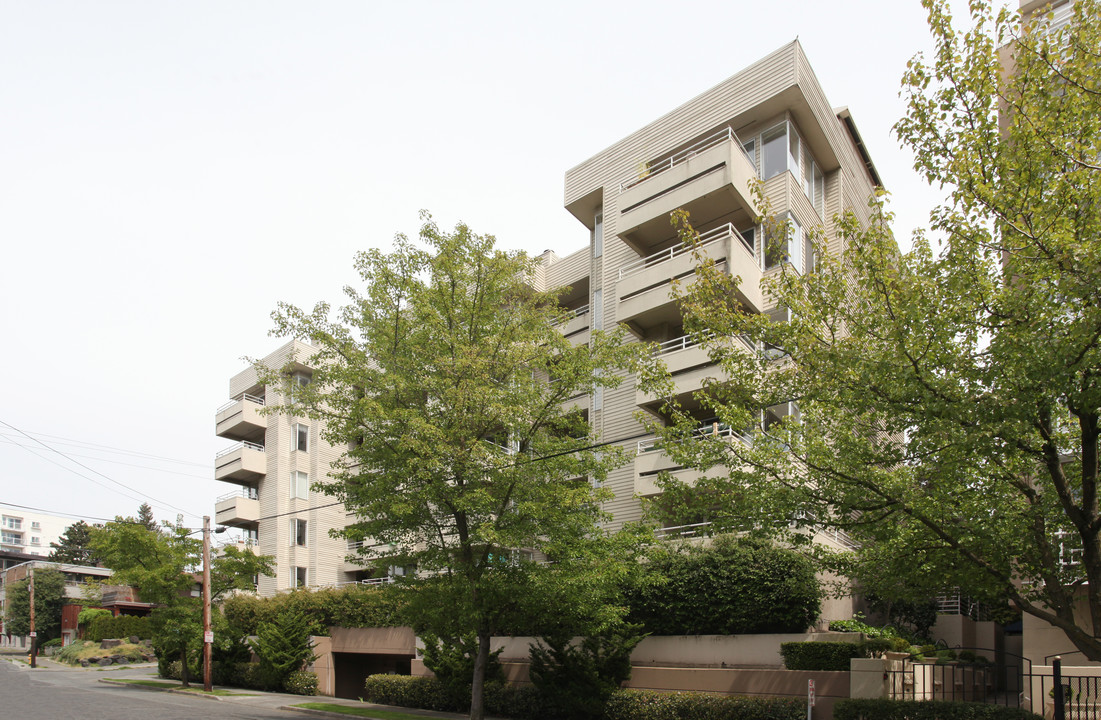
(114, 642)
(133, 639)
(103, 662)
(84, 663)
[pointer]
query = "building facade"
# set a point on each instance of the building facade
(269, 471)
(23, 531)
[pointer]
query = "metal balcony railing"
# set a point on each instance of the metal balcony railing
(237, 446)
(573, 313)
(659, 166)
(711, 236)
(244, 492)
(238, 398)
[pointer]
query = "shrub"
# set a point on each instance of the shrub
(452, 661)
(514, 701)
(89, 614)
(736, 586)
(301, 682)
(56, 642)
(107, 626)
(650, 705)
(349, 606)
(407, 691)
(283, 648)
(880, 709)
(820, 655)
(575, 679)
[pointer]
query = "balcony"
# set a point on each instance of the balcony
(578, 321)
(690, 365)
(650, 461)
(369, 553)
(237, 508)
(241, 419)
(710, 179)
(644, 286)
(244, 463)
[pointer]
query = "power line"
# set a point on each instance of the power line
(115, 462)
(85, 445)
(97, 472)
(72, 515)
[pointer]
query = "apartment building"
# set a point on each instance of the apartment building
(268, 472)
(771, 123)
(23, 531)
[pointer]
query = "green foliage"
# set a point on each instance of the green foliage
(301, 682)
(177, 637)
(821, 655)
(89, 614)
(49, 597)
(349, 606)
(434, 376)
(452, 660)
(56, 642)
(87, 650)
(283, 647)
(407, 691)
(233, 568)
(948, 394)
(123, 626)
(575, 679)
(650, 705)
(882, 709)
(74, 546)
(917, 615)
(736, 586)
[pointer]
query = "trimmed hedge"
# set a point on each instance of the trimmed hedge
(650, 705)
(408, 691)
(821, 655)
(352, 606)
(879, 709)
(123, 626)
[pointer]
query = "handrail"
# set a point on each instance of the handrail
(660, 166)
(686, 341)
(681, 530)
(714, 235)
(244, 492)
(715, 430)
(238, 398)
(237, 446)
(574, 313)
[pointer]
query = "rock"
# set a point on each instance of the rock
(149, 658)
(84, 663)
(114, 642)
(133, 639)
(103, 662)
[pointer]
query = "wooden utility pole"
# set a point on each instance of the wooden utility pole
(208, 634)
(34, 635)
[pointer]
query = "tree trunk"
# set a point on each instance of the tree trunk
(183, 668)
(477, 687)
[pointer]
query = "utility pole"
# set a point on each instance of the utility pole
(34, 635)
(208, 634)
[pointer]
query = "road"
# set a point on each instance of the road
(61, 694)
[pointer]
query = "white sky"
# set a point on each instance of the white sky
(169, 171)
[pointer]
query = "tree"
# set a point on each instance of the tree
(283, 647)
(948, 396)
(145, 517)
(49, 597)
(74, 546)
(447, 378)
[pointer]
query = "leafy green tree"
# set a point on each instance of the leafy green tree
(438, 377)
(283, 647)
(74, 546)
(49, 597)
(949, 395)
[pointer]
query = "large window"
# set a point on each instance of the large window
(783, 148)
(774, 147)
(13, 523)
(299, 577)
(302, 437)
(598, 234)
(10, 538)
(598, 310)
(300, 485)
(784, 243)
(298, 533)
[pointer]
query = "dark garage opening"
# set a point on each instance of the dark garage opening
(350, 669)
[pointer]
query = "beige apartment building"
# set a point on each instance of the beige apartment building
(770, 122)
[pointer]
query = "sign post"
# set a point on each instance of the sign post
(810, 697)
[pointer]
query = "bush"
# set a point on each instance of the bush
(283, 647)
(736, 586)
(123, 626)
(515, 701)
(820, 655)
(349, 606)
(650, 705)
(56, 642)
(879, 709)
(452, 661)
(575, 679)
(301, 682)
(407, 691)
(89, 614)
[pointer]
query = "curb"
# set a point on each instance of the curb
(176, 691)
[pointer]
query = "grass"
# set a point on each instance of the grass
(360, 711)
(176, 686)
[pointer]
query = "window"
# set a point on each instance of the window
(10, 538)
(298, 533)
(35, 525)
(774, 144)
(788, 248)
(302, 437)
(35, 540)
(300, 485)
(299, 577)
(598, 396)
(751, 151)
(598, 234)
(598, 310)
(13, 523)
(813, 181)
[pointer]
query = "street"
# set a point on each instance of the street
(52, 693)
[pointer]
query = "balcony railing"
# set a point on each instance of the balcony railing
(574, 313)
(682, 531)
(711, 236)
(660, 166)
(245, 492)
(648, 444)
(238, 398)
(237, 446)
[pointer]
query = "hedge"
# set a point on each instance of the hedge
(122, 626)
(879, 709)
(821, 655)
(408, 691)
(352, 606)
(650, 705)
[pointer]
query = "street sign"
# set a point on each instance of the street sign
(34, 634)
(208, 636)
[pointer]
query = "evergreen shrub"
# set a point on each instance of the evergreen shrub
(882, 709)
(650, 705)
(821, 655)
(123, 626)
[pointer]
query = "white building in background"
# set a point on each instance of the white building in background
(23, 531)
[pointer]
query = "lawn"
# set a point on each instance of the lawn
(162, 684)
(361, 711)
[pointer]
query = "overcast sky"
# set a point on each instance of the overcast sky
(169, 171)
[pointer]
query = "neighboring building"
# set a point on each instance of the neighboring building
(28, 532)
(770, 122)
(271, 467)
